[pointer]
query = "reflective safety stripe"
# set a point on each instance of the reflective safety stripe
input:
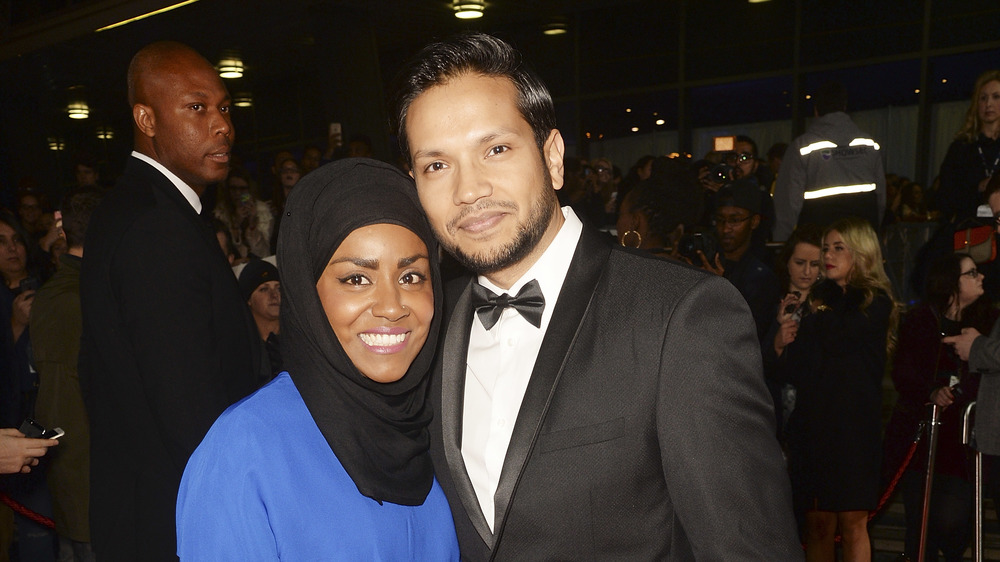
(865, 142)
(816, 146)
(820, 145)
(839, 190)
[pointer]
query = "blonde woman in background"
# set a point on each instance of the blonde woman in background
(836, 358)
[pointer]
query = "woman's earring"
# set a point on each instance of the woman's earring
(631, 234)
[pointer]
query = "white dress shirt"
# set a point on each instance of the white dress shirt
(184, 188)
(499, 366)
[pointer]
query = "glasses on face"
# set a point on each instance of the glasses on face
(602, 169)
(740, 158)
(731, 221)
(972, 273)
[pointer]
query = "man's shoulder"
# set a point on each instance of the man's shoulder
(629, 258)
(654, 278)
(62, 287)
(758, 268)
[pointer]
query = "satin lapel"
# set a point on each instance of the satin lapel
(453, 370)
(571, 306)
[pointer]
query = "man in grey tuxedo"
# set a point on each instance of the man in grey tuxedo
(983, 354)
(591, 402)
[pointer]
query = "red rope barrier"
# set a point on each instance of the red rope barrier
(20, 509)
(899, 474)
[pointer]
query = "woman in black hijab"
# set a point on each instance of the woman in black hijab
(329, 460)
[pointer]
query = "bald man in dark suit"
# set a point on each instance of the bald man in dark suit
(168, 343)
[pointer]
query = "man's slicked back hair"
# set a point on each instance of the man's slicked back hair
(476, 54)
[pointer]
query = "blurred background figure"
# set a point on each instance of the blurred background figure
(833, 170)
(654, 213)
(261, 288)
(640, 171)
(19, 380)
(974, 155)
(248, 218)
(737, 216)
(311, 158)
(913, 205)
(289, 174)
(597, 205)
(928, 371)
(56, 327)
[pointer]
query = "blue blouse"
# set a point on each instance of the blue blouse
(265, 485)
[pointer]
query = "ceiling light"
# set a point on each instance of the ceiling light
(230, 66)
(917, 91)
(660, 121)
(808, 97)
(243, 99)
(555, 28)
(944, 80)
(635, 129)
(78, 110)
(56, 143)
(105, 133)
(628, 110)
(468, 9)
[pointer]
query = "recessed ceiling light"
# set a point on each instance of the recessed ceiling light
(468, 9)
(555, 28)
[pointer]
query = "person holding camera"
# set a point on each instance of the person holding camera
(17, 292)
(736, 217)
(249, 219)
(19, 383)
(926, 371)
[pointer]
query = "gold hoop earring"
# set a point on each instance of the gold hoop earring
(638, 237)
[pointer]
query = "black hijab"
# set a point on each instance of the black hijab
(377, 430)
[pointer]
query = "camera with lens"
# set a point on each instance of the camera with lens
(690, 244)
(720, 173)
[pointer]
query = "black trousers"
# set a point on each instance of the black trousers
(949, 524)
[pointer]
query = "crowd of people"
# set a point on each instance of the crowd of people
(270, 368)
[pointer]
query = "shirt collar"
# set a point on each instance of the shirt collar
(551, 268)
(183, 188)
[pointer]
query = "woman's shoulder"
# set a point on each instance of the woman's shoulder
(257, 417)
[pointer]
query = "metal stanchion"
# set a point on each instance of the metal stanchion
(968, 438)
(929, 480)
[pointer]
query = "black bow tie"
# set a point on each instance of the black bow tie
(529, 302)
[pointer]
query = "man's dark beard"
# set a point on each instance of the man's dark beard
(528, 236)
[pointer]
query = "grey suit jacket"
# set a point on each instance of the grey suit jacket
(984, 357)
(645, 433)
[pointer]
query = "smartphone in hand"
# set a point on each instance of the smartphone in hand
(35, 430)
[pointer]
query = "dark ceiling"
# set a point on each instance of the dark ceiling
(692, 63)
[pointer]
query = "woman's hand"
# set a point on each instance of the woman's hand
(21, 313)
(787, 307)
(942, 397)
(786, 335)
